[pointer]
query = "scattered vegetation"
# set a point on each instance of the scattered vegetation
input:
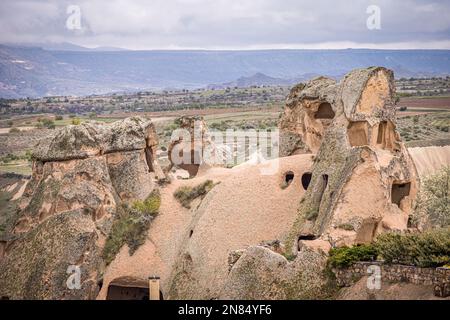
(185, 195)
(75, 121)
(131, 225)
(433, 201)
(428, 249)
(312, 213)
(345, 256)
(346, 226)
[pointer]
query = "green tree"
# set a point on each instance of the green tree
(433, 201)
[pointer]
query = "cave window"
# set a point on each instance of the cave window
(386, 136)
(288, 177)
(399, 191)
(306, 180)
(325, 111)
(381, 132)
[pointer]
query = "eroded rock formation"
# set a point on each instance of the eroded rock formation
(191, 146)
(363, 181)
(80, 177)
(345, 177)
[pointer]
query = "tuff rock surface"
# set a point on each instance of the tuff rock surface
(80, 177)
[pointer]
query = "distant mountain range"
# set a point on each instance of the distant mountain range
(71, 70)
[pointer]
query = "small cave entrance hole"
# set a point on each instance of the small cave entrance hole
(288, 177)
(306, 180)
(129, 288)
(325, 111)
(191, 233)
(400, 191)
(307, 237)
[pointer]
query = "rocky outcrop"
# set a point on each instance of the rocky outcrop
(363, 180)
(80, 177)
(362, 183)
(191, 146)
(261, 274)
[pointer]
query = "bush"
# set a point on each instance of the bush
(185, 195)
(428, 249)
(150, 205)
(14, 130)
(130, 226)
(59, 118)
(345, 256)
(76, 121)
(433, 201)
(49, 124)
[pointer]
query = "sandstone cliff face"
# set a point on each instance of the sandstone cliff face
(80, 177)
(363, 180)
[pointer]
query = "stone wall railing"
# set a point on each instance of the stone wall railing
(439, 278)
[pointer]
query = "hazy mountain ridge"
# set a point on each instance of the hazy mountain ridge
(34, 72)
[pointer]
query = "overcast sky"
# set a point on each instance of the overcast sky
(229, 24)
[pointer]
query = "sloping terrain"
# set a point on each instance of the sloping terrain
(36, 72)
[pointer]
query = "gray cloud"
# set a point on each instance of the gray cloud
(215, 24)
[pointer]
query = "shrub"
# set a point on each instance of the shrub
(428, 249)
(345, 256)
(49, 124)
(131, 225)
(58, 118)
(433, 201)
(150, 205)
(76, 121)
(185, 195)
(14, 130)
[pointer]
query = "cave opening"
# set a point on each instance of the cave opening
(288, 177)
(117, 292)
(325, 111)
(131, 288)
(306, 180)
(399, 191)
(307, 237)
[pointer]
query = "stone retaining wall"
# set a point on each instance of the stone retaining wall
(439, 278)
